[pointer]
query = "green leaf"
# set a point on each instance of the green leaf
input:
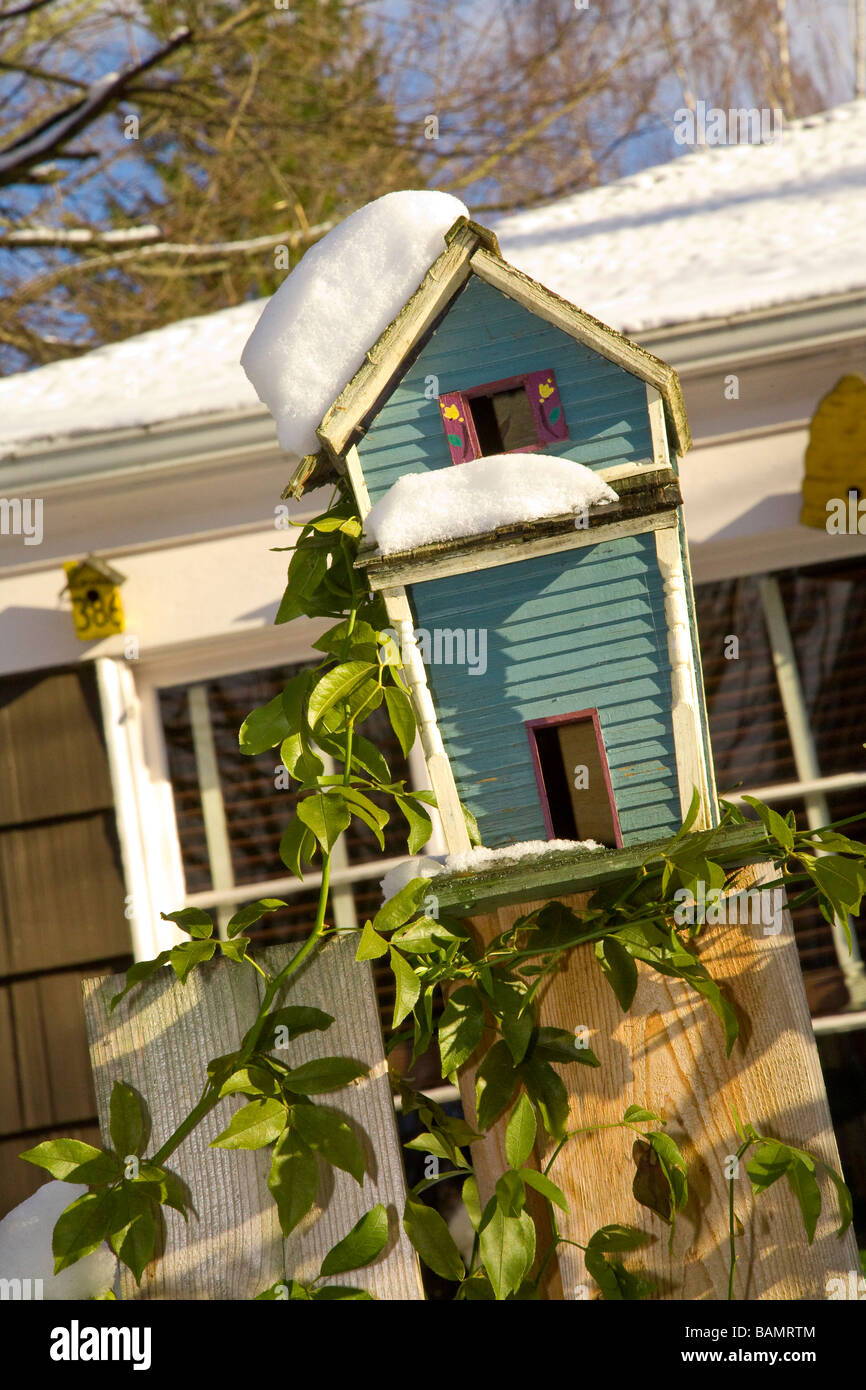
(235, 950)
(293, 699)
(507, 1245)
(423, 936)
(547, 1090)
(510, 1193)
(188, 954)
(296, 1019)
(298, 843)
(455, 439)
(335, 687)
(141, 970)
(520, 1132)
(430, 1236)
(253, 912)
(472, 1201)
(293, 1179)
(366, 1240)
(639, 1112)
(598, 1267)
(250, 1081)
(403, 905)
(558, 1045)
(81, 1228)
(324, 1074)
(619, 969)
(71, 1160)
(460, 1029)
(846, 1204)
(328, 1134)
(127, 1119)
(253, 1126)
(776, 825)
(618, 1237)
(801, 1179)
(841, 880)
(339, 1293)
(495, 1083)
(402, 718)
(372, 945)
(471, 825)
(767, 1164)
(408, 987)
(517, 1030)
(192, 920)
(264, 728)
(542, 1183)
(420, 825)
(133, 1229)
(326, 815)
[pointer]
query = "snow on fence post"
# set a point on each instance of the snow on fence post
(159, 1039)
(668, 1054)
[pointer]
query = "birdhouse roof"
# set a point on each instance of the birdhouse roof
(90, 569)
(470, 249)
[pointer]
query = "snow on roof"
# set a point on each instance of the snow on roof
(314, 332)
(717, 232)
(720, 231)
(479, 496)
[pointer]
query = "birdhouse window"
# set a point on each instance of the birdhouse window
(522, 414)
(573, 778)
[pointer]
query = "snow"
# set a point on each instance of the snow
(25, 1247)
(478, 858)
(188, 369)
(315, 331)
(419, 866)
(718, 231)
(474, 860)
(480, 495)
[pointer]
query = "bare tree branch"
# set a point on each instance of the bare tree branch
(50, 136)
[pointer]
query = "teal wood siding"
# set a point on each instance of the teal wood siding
(565, 632)
(485, 336)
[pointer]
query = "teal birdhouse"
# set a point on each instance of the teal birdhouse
(550, 646)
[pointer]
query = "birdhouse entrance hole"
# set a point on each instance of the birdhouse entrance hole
(573, 778)
(504, 421)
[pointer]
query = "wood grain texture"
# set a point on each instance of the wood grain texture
(159, 1039)
(668, 1054)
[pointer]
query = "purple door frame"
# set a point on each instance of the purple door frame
(553, 719)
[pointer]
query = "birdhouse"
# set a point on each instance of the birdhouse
(550, 645)
(94, 590)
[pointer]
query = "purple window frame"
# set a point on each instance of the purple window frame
(573, 718)
(489, 388)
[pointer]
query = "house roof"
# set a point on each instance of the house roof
(716, 233)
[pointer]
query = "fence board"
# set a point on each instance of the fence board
(159, 1039)
(668, 1054)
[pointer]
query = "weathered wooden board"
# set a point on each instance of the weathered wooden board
(668, 1054)
(159, 1040)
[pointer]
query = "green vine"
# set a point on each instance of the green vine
(497, 988)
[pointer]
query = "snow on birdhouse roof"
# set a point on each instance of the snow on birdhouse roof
(718, 232)
(481, 495)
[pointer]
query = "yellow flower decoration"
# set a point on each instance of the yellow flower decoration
(545, 389)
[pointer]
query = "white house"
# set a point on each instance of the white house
(122, 793)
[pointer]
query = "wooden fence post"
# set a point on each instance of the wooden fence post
(668, 1054)
(159, 1039)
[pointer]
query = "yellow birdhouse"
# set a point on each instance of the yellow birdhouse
(94, 588)
(836, 455)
